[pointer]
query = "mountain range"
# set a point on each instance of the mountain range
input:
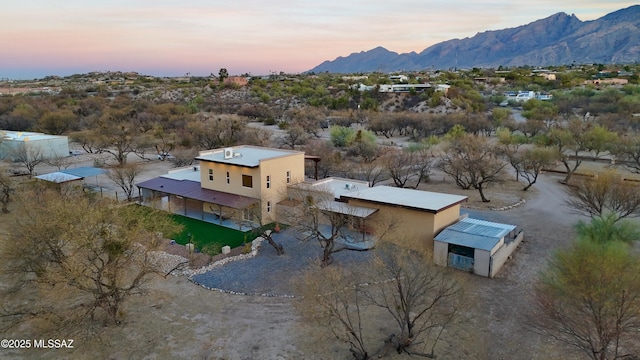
(559, 39)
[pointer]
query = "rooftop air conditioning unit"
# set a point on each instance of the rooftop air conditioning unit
(228, 153)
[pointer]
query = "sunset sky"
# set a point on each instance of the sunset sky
(172, 38)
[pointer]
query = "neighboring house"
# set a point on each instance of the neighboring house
(399, 79)
(237, 80)
(242, 183)
(548, 76)
(404, 87)
(443, 88)
(37, 144)
(476, 245)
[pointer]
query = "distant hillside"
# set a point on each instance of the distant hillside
(556, 40)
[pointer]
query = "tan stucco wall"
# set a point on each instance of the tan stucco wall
(234, 186)
(276, 168)
(414, 225)
(413, 228)
(445, 218)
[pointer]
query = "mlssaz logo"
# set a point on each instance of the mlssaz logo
(53, 344)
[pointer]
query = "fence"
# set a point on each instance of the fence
(460, 262)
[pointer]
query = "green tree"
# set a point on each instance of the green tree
(589, 298)
(58, 122)
(531, 163)
(222, 75)
(342, 136)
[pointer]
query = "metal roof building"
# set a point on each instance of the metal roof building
(474, 233)
(428, 201)
(475, 245)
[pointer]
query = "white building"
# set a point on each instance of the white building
(47, 146)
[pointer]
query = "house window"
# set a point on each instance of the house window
(288, 177)
(210, 174)
(268, 181)
(247, 181)
(228, 178)
(268, 206)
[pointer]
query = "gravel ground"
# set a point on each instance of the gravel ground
(267, 273)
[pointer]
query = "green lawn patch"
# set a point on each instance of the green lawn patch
(204, 233)
(209, 237)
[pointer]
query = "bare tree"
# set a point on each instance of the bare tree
(627, 152)
(318, 221)
(87, 139)
(60, 162)
(72, 259)
(408, 164)
(422, 299)
(27, 155)
(294, 136)
(211, 132)
(605, 194)
(509, 145)
(7, 188)
(416, 301)
(372, 172)
(334, 299)
(330, 158)
(318, 217)
(183, 157)
(117, 140)
(472, 162)
(124, 176)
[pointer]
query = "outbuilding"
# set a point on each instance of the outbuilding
(474, 245)
(37, 144)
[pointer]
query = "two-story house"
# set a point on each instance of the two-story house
(242, 183)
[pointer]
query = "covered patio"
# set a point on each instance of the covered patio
(188, 198)
(357, 234)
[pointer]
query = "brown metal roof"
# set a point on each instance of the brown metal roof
(192, 190)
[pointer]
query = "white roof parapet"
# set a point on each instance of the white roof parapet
(410, 198)
(249, 156)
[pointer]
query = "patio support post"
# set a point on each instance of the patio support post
(364, 226)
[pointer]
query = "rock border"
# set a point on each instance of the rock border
(508, 207)
(255, 246)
